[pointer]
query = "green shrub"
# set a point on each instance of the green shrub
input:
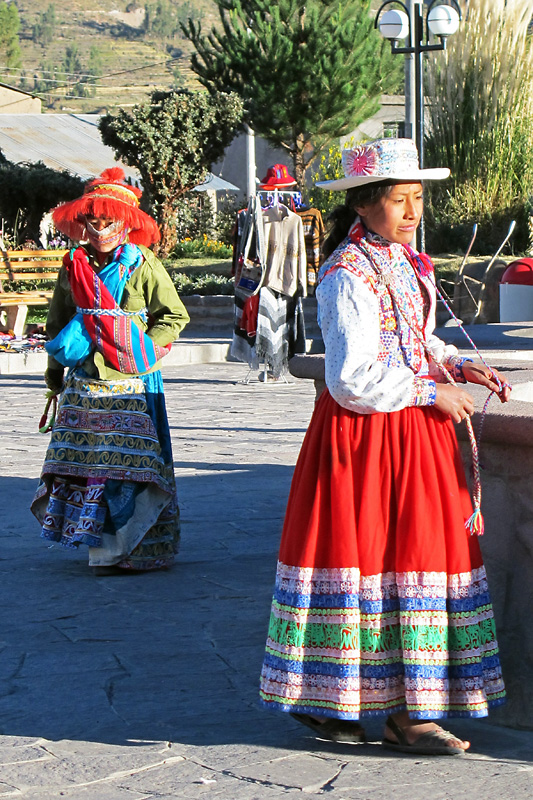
(329, 168)
(481, 125)
(201, 283)
(226, 216)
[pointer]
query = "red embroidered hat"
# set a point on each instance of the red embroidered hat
(108, 196)
(277, 177)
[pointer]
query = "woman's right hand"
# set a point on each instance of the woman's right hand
(454, 401)
(54, 379)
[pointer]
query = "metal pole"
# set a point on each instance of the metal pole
(410, 86)
(418, 26)
(410, 89)
(251, 186)
(418, 32)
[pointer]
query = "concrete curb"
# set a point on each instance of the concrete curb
(186, 351)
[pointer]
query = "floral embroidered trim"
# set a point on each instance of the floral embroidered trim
(364, 645)
(424, 392)
(454, 365)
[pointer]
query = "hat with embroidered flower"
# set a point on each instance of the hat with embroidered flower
(109, 196)
(277, 177)
(382, 160)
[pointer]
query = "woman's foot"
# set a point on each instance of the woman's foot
(423, 738)
(336, 730)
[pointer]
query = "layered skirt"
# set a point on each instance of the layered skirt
(108, 478)
(381, 601)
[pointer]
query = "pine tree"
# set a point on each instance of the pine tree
(308, 71)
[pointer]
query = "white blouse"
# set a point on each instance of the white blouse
(374, 359)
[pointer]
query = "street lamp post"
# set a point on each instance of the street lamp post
(402, 22)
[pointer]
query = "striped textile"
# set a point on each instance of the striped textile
(108, 479)
(280, 330)
(125, 346)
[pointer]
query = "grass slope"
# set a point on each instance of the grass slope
(132, 64)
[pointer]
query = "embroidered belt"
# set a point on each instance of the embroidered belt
(114, 312)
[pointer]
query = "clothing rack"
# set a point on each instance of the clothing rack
(276, 199)
(274, 195)
(281, 381)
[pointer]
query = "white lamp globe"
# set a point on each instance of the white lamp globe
(394, 24)
(443, 20)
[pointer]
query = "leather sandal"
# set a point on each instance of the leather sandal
(335, 730)
(432, 743)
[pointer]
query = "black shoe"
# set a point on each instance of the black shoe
(336, 730)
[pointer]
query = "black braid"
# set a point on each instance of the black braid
(342, 217)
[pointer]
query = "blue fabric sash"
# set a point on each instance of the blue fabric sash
(73, 344)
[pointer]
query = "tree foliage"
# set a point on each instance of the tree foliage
(163, 18)
(10, 54)
(481, 121)
(172, 141)
(95, 67)
(308, 71)
(27, 191)
(70, 77)
(44, 29)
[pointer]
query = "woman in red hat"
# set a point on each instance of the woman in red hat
(108, 478)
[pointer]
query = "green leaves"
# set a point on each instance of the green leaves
(172, 141)
(481, 122)
(27, 191)
(9, 35)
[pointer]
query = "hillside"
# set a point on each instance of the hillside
(106, 38)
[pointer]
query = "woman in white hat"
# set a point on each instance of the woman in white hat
(381, 604)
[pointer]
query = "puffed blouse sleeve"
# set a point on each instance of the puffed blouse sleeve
(349, 320)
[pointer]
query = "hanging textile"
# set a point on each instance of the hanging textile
(270, 279)
(285, 255)
(280, 330)
(314, 234)
(250, 269)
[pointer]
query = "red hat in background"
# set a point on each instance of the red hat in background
(277, 177)
(108, 196)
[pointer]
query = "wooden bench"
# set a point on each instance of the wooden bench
(31, 266)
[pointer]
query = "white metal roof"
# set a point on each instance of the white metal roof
(61, 141)
(69, 142)
(216, 184)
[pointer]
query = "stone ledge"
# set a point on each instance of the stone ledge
(199, 301)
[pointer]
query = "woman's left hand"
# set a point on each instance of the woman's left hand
(479, 373)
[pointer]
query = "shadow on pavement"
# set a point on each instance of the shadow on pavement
(170, 656)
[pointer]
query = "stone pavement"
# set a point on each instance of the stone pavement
(145, 686)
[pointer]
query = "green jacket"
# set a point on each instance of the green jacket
(149, 287)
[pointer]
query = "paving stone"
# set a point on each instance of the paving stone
(145, 686)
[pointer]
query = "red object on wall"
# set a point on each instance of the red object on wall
(519, 272)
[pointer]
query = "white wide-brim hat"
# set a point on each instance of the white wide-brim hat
(382, 160)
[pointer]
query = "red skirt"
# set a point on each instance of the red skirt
(381, 600)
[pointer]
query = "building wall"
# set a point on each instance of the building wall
(14, 102)
(232, 167)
